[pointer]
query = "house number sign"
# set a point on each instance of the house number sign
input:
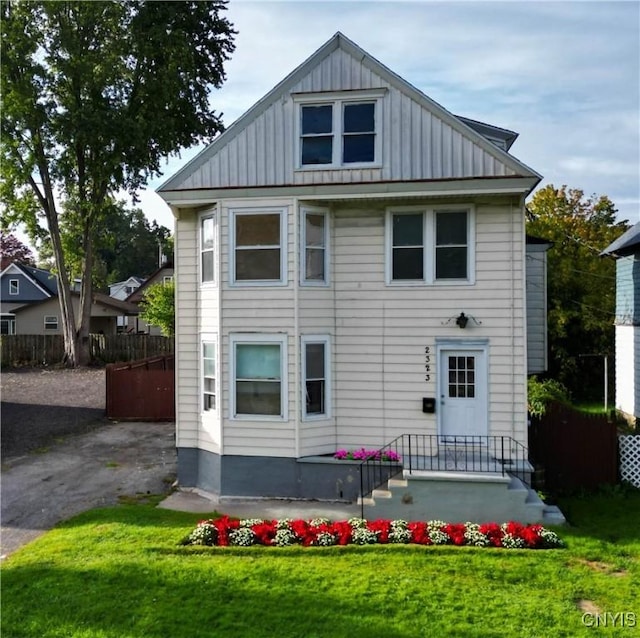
(427, 363)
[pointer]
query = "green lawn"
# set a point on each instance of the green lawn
(120, 572)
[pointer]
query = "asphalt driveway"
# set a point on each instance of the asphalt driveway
(60, 456)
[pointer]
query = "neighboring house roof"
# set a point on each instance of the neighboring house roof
(627, 244)
(531, 240)
(43, 280)
(155, 277)
(467, 128)
(99, 299)
(491, 132)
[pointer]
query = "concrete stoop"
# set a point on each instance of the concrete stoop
(459, 497)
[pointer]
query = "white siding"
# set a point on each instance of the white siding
(378, 333)
(381, 332)
(416, 143)
(628, 370)
(268, 309)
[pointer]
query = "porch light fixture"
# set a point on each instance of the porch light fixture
(462, 321)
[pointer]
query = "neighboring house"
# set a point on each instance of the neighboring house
(626, 251)
(22, 285)
(536, 278)
(135, 325)
(122, 289)
(43, 317)
(30, 304)
(350, 267)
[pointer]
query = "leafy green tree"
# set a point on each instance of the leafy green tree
(127, 245)
(158, 307)
(94, 96)
(581, 284)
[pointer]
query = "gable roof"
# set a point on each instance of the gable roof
(154, 277)
(44, 280)
(468, 128)
(626, 244)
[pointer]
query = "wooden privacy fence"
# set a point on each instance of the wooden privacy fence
(574, 450)
(37, 350)
(141, 390)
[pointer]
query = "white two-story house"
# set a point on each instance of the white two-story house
(350, 268)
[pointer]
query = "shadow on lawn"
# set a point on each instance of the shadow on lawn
(146, 601)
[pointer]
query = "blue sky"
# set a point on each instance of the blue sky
(564, 75)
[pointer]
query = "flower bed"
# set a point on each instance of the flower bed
(225, 531)
(363, 455)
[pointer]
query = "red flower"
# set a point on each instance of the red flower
(383, 527)
(265, 532)
(493, 532)
(455, 531)
(419, 533)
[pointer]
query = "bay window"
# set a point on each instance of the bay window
(259, 385)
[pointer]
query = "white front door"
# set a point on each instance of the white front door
(463, 392)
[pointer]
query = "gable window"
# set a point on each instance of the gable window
(207, 240)
(315, 232)
(339, 130)
(208, 374)
(259, 387)
(258, 247)
(316, 370)
(430, 246)
(51, 322)
(14, 286)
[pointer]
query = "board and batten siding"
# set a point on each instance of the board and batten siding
(536, 280)
(416, 144)
(628, 290)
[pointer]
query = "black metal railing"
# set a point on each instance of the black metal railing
(437, 453)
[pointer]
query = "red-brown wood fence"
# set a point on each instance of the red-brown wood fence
(141, 390)
(574, 450)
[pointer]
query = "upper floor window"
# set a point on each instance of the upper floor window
(339, 131)
(430, 246)
(315, 233)
(259, 252)
(207, 241)
(14, 286)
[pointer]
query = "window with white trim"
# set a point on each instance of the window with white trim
(315, 233)
(51, 322)
(339, 132)
(259, 252)
(430, 245)
(258, 379)
(14, 286)
(316, 372)
(208, 373)
(7, 325)
(207, 249)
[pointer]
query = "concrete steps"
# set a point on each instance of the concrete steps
(459, 497)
